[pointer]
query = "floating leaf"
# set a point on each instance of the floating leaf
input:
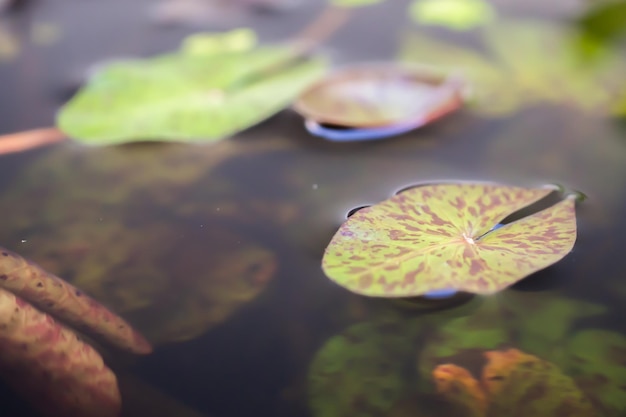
(186, 96)
(453, 14)
(436, 237)
(50, 366)
(380, 96)
(55, 296)
(605, 20)
(514, 73)
(358, 135)
(513, 380)
(208, 44)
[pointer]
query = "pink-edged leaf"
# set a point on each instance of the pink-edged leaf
(48, 365)
(52, 295)
(370, 96)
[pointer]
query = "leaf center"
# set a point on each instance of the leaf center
(468, 239)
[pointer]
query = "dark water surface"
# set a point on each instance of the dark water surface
(214, 251)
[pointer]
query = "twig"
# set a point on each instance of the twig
(23, 141)
(321, 28)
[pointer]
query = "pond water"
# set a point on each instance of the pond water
(214, 252)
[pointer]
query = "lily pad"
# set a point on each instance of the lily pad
(513, 73)
(47, 363)
(441, 236)
(187, 96)
(453, 14)
(358, 135)
(368, 96)
(55, 296)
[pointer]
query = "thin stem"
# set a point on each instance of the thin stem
(23, 141)
(321, 28)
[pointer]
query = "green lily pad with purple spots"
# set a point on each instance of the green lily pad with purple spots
(369, 96)
(443, 236)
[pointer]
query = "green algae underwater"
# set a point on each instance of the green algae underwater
(213, 252)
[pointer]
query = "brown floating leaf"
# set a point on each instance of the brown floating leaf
(55, 296)
(50, 366)
(442, 236)
(379, 95)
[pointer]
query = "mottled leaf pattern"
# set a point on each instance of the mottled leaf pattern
(49, 365)
(531, 386)
(597, 362)
(55, 296)
(361, 372)
(513, 383)
(433, 237)
(461, 388)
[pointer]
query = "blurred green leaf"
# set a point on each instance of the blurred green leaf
(187, 96)
(515, 73)
(208, 43)
(453, 14)
(605, 21)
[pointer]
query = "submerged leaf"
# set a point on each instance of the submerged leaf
(186, 96)
(440, 236)
(535, 322)
(513, 380)
(453, 14)
(461, 388)
(518, 381)
(55, 296)
(50, 366)
(597, 362)
(361, 372)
